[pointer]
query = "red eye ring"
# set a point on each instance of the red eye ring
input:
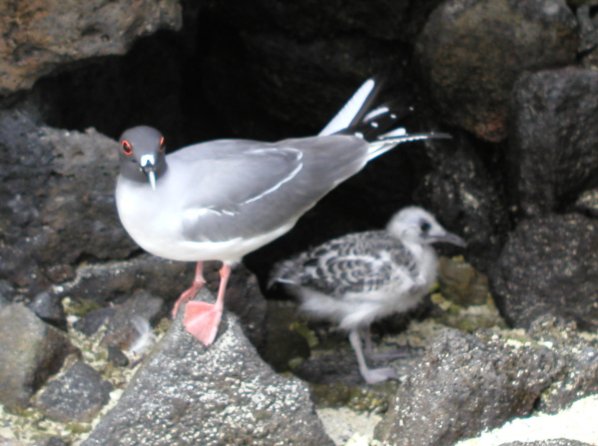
(162, 144)
(127, 148)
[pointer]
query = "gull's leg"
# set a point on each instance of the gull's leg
(202, 319)
(388, 355)
(371, 376)
(198, 282)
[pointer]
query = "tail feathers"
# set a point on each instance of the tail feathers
(390, 140)
(376, 125)
(355, 108)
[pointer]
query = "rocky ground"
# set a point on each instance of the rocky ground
(89, 354)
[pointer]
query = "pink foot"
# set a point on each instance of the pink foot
(202, 319)
(183, 298)
(198, 282)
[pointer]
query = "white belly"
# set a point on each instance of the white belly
(156, 226)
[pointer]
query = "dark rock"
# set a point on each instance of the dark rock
(48, 308)
(132, 320)
(464, 193)
(76, 395)
(587, 203)
(258, 48)
(463, 385)
(264, 81)
(24, 172)
(31, 48)
(117, 357)
(549, 265)
(104, 282)
(282, 343)
(588, 30)
(100, 283)
(80, 159)
(555, 442)
(578, 356)
(92, 321)
(472, 51)
(31, 352)
(337, 366)
(54, 218)
(552, 155)
(310, 20)
(7, 293)
(187, 394)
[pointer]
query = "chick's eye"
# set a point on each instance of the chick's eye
(127, 148)
(425, 226)
(162, 144)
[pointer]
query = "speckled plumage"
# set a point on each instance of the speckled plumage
(355, 263)
(360, 277)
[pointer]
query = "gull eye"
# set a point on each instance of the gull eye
(127, 148)
(162, 144)
(425, 226)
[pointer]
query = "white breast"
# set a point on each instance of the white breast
(153, 218)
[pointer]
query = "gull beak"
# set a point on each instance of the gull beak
(151, 176)
(449, 237)
(148, 166)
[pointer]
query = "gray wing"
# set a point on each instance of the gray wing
(246, 188)
(355, 263)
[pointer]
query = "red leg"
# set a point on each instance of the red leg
(201, 318)
(198, 282)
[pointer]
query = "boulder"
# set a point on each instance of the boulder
(39, 36)
(549, 265)
(185, 393)
(471, 52)
(552, 156)
(31, 352)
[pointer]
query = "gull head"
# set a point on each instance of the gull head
(142, 155)
(416, 225)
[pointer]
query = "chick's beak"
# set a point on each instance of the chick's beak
(453, 239)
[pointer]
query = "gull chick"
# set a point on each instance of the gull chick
(220, 200)
(361, 277)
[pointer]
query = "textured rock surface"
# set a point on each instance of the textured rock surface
(131, 319)
(587, 203)
(187, 394)
(549, 265)
(578, 356)
(31, 351)
(472, 51)
(463, 385)
(76, 395)
(38, 36)
(464, 194)
(102, 282)
(48, 308)
(552, 156)
(53, 216)
(7, 293)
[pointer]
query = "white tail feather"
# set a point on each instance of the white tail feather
(345, 116)
(387, 142)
